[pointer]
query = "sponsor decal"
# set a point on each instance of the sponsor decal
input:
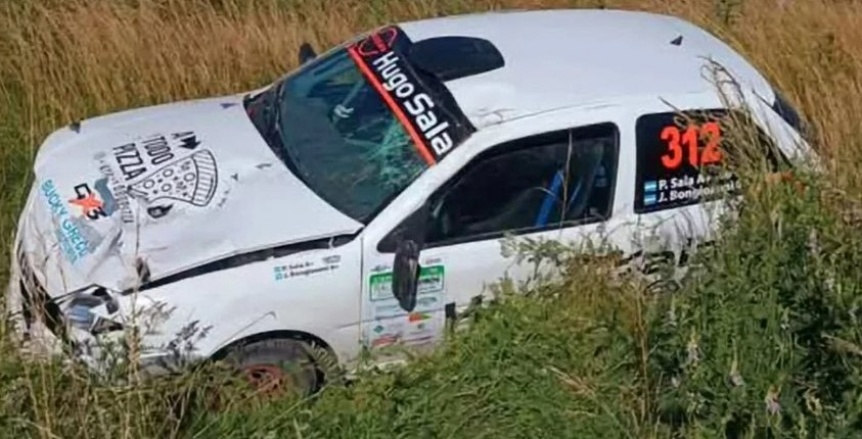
(72, 238)
(385, 316)
(334, 259)
(90, 202)
(418, 316)
(380, 57)
(187, 140)
(113, 191)
(384, 341)
(380, 268)
(135, 159)
(378, 43)
(430, 282)
(419, 337)
(387, 309)
(426, 302)
(391, 308)
(432, 260)
(405, 330)
(151, 171)
(192, 180)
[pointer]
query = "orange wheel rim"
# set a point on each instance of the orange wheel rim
(268, 379)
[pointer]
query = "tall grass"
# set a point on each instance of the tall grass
(762, 341)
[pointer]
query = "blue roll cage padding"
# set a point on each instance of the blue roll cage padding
(551, 195)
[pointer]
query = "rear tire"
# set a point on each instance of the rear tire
(275, 367)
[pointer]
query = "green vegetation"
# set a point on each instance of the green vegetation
(761, 340)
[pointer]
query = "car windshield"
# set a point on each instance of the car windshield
(338, 127)
(337, 134)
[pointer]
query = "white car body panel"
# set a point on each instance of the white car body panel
(295, 302)
(604, 66)
(596, 56)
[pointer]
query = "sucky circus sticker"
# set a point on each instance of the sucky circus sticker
(76, 239)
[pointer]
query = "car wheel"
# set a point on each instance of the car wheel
(276, 367)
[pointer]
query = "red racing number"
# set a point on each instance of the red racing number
(687, 143)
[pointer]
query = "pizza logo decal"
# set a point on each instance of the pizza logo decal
(192, 179)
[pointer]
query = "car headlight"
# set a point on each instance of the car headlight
(102, 325)
(81, 315)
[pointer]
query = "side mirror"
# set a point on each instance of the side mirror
(405, 274)
(408, 239)
(306, 53)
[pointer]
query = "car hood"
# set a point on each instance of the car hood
(174, 186)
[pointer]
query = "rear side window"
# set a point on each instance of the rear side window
(682, 158)
(788, 113)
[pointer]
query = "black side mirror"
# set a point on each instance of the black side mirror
(306, 53)
(409, 239)
(405, 274)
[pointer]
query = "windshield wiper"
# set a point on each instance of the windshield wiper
(275, 120)
(274, 132)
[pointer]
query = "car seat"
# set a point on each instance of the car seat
(585, 169)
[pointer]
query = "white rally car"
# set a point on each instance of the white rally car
(359, 201)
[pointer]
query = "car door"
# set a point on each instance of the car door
(560, 185)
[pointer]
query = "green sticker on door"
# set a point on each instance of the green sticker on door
(430, 282)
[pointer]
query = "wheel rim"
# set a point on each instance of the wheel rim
(268, 379)
(265, 378)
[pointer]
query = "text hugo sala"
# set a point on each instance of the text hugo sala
(418, 104)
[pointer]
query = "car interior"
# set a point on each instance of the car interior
(530, 188)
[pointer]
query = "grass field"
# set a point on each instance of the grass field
(762, 343)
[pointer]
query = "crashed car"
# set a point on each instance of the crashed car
(359, 202)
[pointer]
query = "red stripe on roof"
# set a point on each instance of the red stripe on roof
(399, 114)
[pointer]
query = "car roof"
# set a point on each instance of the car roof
(563, 58)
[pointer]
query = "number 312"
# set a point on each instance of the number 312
(689, 139)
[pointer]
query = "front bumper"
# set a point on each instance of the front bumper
(42, 331)
(31, 334)
(41, 326)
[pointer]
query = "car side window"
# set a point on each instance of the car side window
(537, 183)
(682, 157)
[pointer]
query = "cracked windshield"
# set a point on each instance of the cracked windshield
(331, 127)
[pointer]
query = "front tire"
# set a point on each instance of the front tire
(277, 366)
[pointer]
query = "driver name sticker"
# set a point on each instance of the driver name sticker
(381, 59)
